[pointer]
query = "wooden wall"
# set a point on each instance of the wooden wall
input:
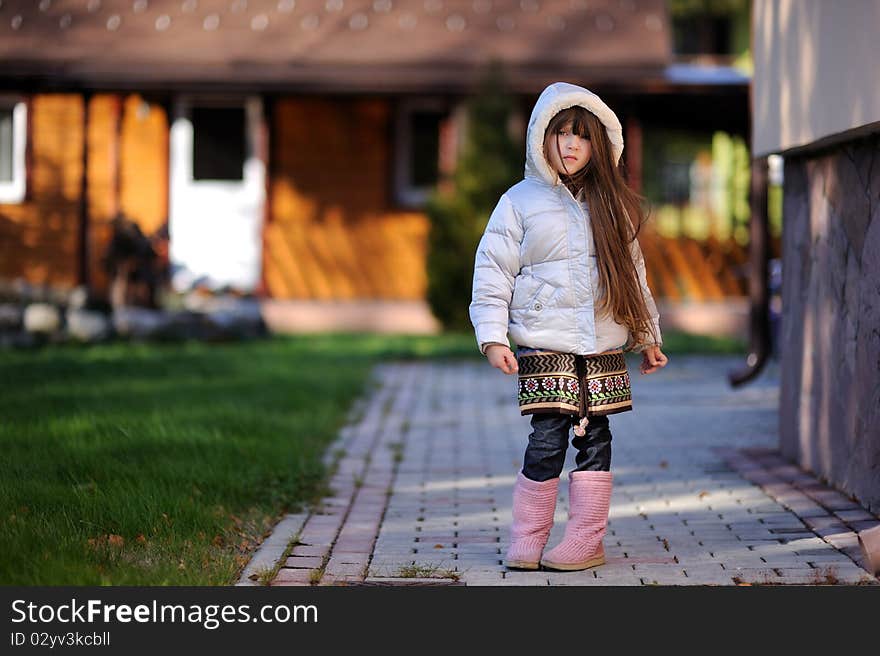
(39, 238)
(143, 174)
(102, 197)
(332, 232)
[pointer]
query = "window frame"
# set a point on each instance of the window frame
(15, 191)
(405, 193)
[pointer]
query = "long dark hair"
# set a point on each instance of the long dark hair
(616, 218)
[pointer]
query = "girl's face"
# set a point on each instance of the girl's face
(573, 151)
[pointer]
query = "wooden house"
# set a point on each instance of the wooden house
(287, 145)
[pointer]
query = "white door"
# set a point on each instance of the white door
(217, 193)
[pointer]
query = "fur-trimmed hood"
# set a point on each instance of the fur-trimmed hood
(555, 98)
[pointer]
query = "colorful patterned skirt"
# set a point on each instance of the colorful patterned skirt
(580, 385)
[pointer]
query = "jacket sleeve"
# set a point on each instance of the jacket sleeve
(639, 260)
(496, 265)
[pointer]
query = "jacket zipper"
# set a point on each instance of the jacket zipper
(586, 228)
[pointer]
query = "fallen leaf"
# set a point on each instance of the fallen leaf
(115, 540)
(664, 464)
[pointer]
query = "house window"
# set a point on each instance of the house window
(710, 28)
(219, 145)
(423, 140)
(697, 35)
(13, 133)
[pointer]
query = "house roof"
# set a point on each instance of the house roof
(331, 45)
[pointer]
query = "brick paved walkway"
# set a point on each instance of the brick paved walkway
(425, 468)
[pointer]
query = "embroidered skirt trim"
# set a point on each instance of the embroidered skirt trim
(582, 385)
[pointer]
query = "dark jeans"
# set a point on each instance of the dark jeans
(548, 442)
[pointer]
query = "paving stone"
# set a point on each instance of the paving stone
(569, 582)
(481, 547)
(732, 561)
(653, 569)
(826, 522)
(333, 580)
(486, 568)
(809, 510)
(410, 581)
(668, 578)
(301, 562)
(843, 540)
(782, 520)
(536, 578)
(642, 560)
(808, 543)
(709, 579)
(352, 558)
(856, 515)
(336, 568)
(784, 560)
(481, 578)
(316, 539)
(618, 578)
(287, 576)
(801, 579)
(306, 550)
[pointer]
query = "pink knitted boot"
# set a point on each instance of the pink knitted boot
(588, 504)
(534, 503)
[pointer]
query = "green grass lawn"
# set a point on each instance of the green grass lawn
(128, 464)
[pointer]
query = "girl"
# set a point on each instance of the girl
(559, 269)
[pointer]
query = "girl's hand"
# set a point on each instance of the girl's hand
(501, 357)
(652, 360)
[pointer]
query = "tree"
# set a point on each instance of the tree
(489, 163)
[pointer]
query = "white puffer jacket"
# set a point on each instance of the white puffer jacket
(535, 275)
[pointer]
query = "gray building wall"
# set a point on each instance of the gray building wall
(815, 71)
(830, 335)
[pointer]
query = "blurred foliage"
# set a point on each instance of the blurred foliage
(715, 198)
(732, 17)
(489, 163)
(700, 7)
(731, 161)
(774, 209)
(776, 165)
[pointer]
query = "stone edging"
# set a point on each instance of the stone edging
(830, 514)
(273, 549)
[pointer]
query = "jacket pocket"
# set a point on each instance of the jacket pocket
(531, 293)
(542, 297)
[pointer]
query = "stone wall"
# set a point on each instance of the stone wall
(830, 336)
